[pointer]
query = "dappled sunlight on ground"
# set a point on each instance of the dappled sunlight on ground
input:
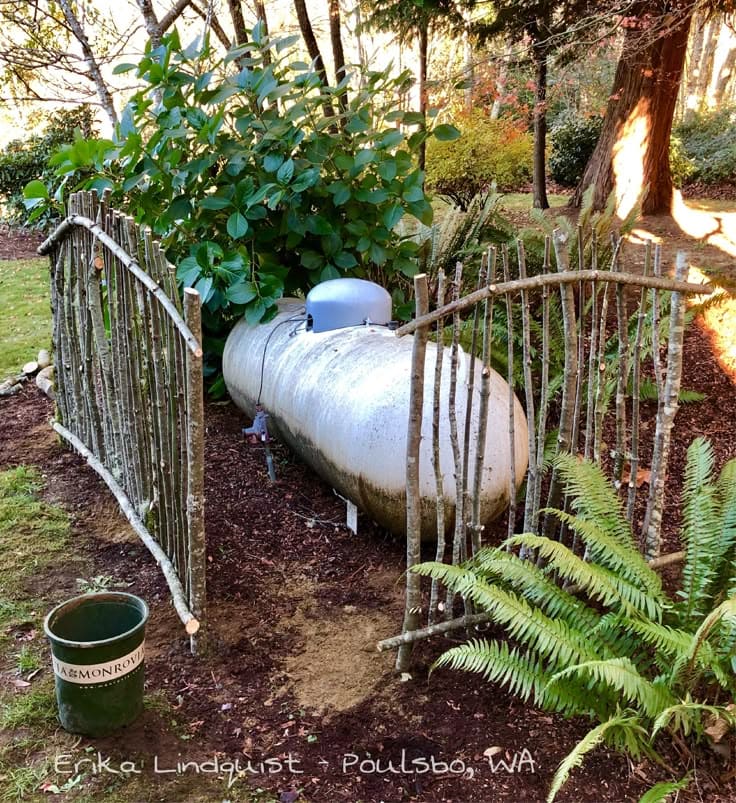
(714, 228)
(709, 239)
(718, 321)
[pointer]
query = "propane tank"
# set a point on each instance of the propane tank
(339, 398)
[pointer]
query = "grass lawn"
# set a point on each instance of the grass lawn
(25, 315)
(522, 201)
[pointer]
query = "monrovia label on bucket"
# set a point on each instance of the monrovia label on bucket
(99, 673)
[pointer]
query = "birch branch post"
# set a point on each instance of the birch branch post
(413, 497)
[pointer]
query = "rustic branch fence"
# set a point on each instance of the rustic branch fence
(128, 375)
(605, 355)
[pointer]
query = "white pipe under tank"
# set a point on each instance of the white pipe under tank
(340, 400)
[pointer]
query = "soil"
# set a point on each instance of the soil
(296, 605)
(18, 243)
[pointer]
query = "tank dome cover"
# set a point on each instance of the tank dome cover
(338, 303)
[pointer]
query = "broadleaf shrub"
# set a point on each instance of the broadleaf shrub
(488, 152)
(22, 161)
(708, 141)
(254, 191)
(573, 138)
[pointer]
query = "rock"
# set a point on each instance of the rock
(30, 368)
(43, 359)
(45, 381)
(12, 390)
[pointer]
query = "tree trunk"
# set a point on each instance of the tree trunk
(260, 8)
(338, 54)
(539, 178)
(468, 65)
(423, 59)
(236, 14)
(693, 66)
(310, 40)
(725, 73)
(632, 154)
(503, 72)
(95, 74)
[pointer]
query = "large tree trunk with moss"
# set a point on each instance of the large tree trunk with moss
(539, 177)
(632, 154)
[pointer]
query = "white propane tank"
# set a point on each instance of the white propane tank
(340, 400)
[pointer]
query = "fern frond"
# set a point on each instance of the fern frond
(599, 583)
(622, 675)
(700, 532)
(535, 585)
(595, 499)
(724, 557)
(687, 717)
(607, 551)
(726, 610)
(520, 673)
(661, 791)
(553, 639)
(589, 742)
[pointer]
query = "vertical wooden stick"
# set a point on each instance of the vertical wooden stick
(439, 479)
(459, 534)
(512, 398)
(197, 549)
(621, 384)
(485, 395)
(531, 482)
(593, 352)
(652, 528)
(569, 383)
(413, 497)
(635, 389)
(469, 404)
(544, 391)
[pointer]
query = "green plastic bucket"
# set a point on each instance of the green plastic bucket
(97, 645)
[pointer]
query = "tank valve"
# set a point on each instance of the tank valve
(259, 432)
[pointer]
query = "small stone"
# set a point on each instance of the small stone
(43, 359)
(12, 390)
(30, 367)
(45, 381)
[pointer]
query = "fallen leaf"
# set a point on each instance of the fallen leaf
(492, 751)
(20, 684)
(643, 476)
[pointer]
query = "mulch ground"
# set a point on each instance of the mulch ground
(292, 682)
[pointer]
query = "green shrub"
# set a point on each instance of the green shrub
(617, 649)
(488, 151)
(682, 166)
(708, 140)
(254, 191)
(22, 161)
(573, 140)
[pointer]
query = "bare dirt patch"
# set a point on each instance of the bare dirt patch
(338, 667)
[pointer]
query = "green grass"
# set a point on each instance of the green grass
(25, 314)
(33, 709)
(31, 531)
(522, 201)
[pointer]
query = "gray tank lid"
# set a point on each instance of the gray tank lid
(338, 303)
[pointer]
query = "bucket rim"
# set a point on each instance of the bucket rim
(79, 599)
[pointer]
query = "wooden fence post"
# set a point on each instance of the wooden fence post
(413, 498)
(195, 470)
